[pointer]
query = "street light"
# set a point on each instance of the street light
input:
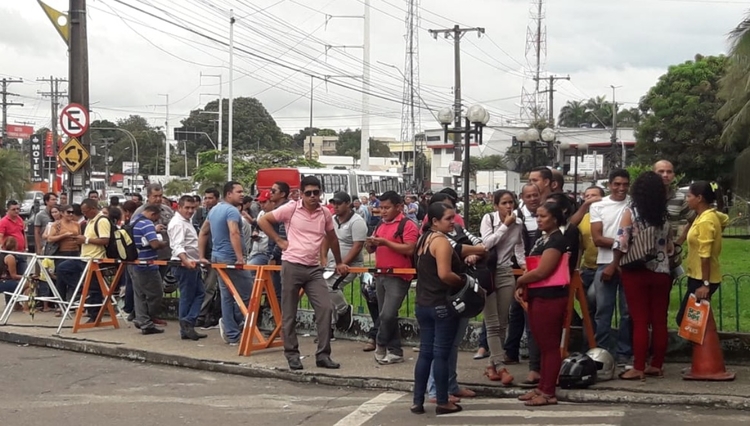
(476, 118)
(583, 146)
(133, 144)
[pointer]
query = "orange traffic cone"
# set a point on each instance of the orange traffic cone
(708, 360)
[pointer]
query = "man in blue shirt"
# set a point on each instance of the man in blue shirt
(147, 282)
(224, 226)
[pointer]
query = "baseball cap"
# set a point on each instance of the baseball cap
(264, 196)
(342, 197)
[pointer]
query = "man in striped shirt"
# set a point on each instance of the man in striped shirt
(147, 281)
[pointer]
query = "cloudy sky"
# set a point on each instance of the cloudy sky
(135, 57)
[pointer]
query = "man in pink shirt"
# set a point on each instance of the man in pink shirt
(307, 224)
(393, 243)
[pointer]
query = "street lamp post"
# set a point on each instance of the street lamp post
(534, 138)
(583, 146)
(475, 120)
(133, 144)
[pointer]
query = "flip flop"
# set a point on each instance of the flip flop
(529, 383)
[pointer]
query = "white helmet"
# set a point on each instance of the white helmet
(605, 364)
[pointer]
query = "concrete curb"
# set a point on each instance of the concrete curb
(610, 395)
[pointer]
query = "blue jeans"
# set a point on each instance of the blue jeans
(437, 332)
(483, 338)
(68, 274)
(125, 280)
(231, 315)
(463, 324)
(8, 286)
(191, 293)
(607, 294)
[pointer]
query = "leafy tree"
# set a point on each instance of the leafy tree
(734, 89)
(178, 187)
(573, 114)
(13, 175)
(253, 127)
(349, 145)
(596, 112)
(680, 123)
(490, 162)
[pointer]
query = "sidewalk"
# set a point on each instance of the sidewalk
(358, 369)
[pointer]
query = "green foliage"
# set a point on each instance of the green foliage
(490, 162)
(734, 89)
(213, 168)
(597, 112)
(178, 187)
(349, 144)
(476, 212)
(13, 175)
(681, 124)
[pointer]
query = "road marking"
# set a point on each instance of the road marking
(538, 414)
(527, 424)
(369, 409)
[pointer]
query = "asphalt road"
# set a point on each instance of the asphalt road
(49, 387)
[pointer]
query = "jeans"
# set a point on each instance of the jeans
(483, 337)
(607, 294)
(374, 309)
(587, 278)
(692, 285)
(437, 333)
(391, 293)
(129, 295)
(546, 318)
(516, 327)
(8, 286)
(68, 275)
(191, 293)
(231, 315)
(463, 324)
(648, 298)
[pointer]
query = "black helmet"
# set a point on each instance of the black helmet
(169, 283)
(577, 371)
(468, 301)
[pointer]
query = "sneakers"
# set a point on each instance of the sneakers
(223, 332)
(392, 358)
(346, 319)
(380, 354)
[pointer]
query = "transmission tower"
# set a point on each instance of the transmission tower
(410, 116)
(532, 107)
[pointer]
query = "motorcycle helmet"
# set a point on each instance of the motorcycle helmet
(468, 301)
(605, 364)
(169, 283)
(577, 371)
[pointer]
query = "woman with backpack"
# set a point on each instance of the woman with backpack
(502, 233)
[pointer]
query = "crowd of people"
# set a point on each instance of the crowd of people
(316, 243)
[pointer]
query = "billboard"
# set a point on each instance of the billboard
(130, 168)
(19, 132)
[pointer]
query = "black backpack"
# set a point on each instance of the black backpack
(121, 245)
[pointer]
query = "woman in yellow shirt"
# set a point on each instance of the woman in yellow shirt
(704, 243)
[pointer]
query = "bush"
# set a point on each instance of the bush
(476, 212)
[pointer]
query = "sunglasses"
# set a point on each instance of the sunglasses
(69, 212)
(312, 193)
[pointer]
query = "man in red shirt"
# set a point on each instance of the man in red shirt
(392, 249)
(12, 225)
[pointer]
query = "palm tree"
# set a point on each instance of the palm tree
(12, 175)
(573, 114)
(734, 88)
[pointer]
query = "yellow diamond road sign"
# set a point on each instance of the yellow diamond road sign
(74, 155)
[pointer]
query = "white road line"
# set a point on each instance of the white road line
(369, 409)
(537, 414)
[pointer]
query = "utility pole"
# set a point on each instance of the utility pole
(551, 90)
(6, 104)
(614, 127)
(456, 33)
(167, 135)
(54, 94)
(364, 140)
(310, 142)
(78, 87)
(230, 161)
(107, 144)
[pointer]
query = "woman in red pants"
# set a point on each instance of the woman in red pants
(647, 280)
(547, 305)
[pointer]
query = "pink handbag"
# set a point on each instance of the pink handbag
(560, 276)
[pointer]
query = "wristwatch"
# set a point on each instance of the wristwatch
(706, 283)
(86, 241)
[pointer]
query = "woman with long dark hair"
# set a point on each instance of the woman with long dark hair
(704, 243)
(502, 233)
(438, 267)
(647, 282)
(548, 304)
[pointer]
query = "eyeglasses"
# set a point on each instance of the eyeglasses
(69, 212)
(312, 193)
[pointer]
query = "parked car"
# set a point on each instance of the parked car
(30, 199)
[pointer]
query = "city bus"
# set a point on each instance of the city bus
(354, 182)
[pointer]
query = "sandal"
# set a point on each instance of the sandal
(528, 396)
(641, 376)
(541, 400)
(654, 372)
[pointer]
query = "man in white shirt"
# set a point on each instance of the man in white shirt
(184, 244)
(605, 221)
